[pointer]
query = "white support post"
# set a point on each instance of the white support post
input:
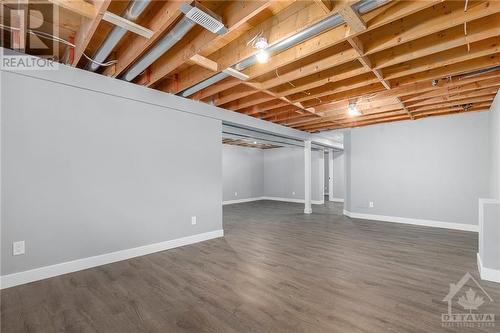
(330, 174)
(307, 177)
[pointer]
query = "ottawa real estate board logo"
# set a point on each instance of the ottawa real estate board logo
(29, 29)
(464, 300)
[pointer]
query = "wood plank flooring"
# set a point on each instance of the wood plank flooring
(276, 270)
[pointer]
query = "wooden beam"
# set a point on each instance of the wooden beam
(449, 70)
(326, 5)
(336, 87)
(253, 99)
(445, 58)
(137, 45)
(204, 62)
(431, 20)
(235, 14)
(352, 18)
(80, 7)
(209, 92)
(87, 30)
(127, 25)
(232, 53)
(477, 30)
(319, 79)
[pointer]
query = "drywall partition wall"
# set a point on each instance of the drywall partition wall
(494, 142)
(338, 176)
(242, 173)
(427, 171)
(489, 208)
(75, 77)
(87, 174)
(326, 190)
(347, 171)
(284, 174)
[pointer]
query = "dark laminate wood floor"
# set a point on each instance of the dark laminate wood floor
(276, 270)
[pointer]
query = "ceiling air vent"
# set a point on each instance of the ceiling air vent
(201, 17)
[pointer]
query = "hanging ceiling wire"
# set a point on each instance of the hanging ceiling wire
(45, 35)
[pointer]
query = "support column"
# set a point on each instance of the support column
(307, 177)
(330, 174)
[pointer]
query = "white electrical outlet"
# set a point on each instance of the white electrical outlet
(371, 204)
(18, 248)
(235, 194)
(293, 193)
(193, 220)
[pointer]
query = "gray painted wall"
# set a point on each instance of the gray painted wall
(243, 172)
(86, 173)
(432, 169)
(338, 175)
(326, 173)
(490, 247)
(284, 173)
(494, 139)
(490, 233)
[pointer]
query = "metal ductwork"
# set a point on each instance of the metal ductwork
(193, 16)
(328, 23)
(162, 46)
(132, 13)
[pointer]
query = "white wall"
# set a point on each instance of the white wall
(489, 211)
(86, 173)
(272, 173)
(494, 141)
(432, 169)
(284, 173)
(326, 174)
(338, 175)
(243, 172)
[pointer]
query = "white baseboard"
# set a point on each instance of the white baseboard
(11, 280)
(314, 202)
(488, 274)
(236, 201)
(405, 220)
(337, 199)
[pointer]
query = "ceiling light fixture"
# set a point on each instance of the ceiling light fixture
(262, 56)
(353, 111)
(260, 43)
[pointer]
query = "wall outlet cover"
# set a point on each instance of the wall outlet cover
(235, 194)
(18, 248)
(193, 220)
(371, 204)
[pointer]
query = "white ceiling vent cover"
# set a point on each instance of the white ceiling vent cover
(204, 19)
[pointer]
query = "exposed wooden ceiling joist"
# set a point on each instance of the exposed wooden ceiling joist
(404, 60)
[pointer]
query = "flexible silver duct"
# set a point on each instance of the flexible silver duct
(132, 13)
(328, 23)
(162, 46)
(193, 16)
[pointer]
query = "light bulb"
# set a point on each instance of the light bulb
(352, 110)
(262, 56)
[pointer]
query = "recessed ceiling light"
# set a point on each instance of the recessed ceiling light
(352, 110)
(255, 142)
(262, 56)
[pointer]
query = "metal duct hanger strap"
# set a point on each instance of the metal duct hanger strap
(132, 13)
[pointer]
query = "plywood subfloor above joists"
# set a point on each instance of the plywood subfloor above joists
(403, 60)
